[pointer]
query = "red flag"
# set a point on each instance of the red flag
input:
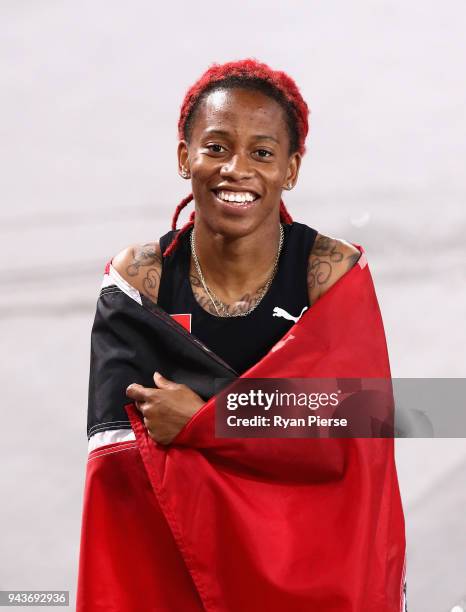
(240, 525)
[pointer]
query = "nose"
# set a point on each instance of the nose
(237, 167)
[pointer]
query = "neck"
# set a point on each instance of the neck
(234, 266)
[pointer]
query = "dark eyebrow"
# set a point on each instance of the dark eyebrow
(224, 133)
(265, 137)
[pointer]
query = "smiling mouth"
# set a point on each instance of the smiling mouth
(237, 198)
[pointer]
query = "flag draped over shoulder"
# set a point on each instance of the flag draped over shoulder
(237, 524)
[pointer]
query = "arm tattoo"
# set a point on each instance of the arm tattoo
(329, 260)
(151, 282)
(328, 247)
(325, 252)
(147, 256)
(318, 272)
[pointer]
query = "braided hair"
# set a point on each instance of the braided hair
(244, 74)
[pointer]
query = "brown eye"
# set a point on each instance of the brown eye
(215, 148)
(261, 153)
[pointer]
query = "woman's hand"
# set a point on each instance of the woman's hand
(166, 409)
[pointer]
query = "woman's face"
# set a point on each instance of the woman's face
(238, 150)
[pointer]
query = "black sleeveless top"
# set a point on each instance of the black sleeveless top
(241, 341)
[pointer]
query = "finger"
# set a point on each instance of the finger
(164, 383)
(140, 406)
(137, 392)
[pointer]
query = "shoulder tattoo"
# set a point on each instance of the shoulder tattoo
(146, 263)
(330, 259)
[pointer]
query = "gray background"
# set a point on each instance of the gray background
(90, 95)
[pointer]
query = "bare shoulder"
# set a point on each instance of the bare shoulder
(141, 266)
(329, 259)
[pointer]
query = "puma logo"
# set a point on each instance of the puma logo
(279, 312)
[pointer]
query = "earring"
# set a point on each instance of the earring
(289, 186)
(184, 173)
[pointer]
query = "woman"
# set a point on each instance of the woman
(242, 135)
(194, 521)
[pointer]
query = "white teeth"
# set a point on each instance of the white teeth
(242, 197)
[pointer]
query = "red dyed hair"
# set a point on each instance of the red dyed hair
(249, 70)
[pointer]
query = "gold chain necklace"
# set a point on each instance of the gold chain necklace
(212, 295)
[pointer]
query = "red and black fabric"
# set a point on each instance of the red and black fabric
(236, 525)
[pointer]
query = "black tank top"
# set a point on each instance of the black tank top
(241, 341)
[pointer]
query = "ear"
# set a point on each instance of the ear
(183, 159)
(294, 164)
